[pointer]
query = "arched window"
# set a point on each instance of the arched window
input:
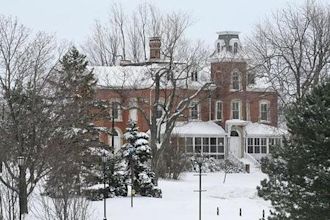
(234, 133)
(235, 80)
(115, 139)
(235, 47)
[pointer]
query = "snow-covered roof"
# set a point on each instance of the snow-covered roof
(141, 76)
(257, 129)
(122, 76)
(198, 128)
(261, 84)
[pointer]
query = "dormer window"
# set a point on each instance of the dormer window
(235, 81)
(194, 76)
(235, 47)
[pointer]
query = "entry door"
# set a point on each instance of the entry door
(235, 144)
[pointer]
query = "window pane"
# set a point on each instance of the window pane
(189, 141)
(263, 149)
(221, 149)
(213, 149)
(256, 141)
(205, 141)
(189, 149)
(219, 110)
(198, 141)
(256, 149)
(206, 148)
(198, 145)
(213, 141)
(250, 149)
(220, 141)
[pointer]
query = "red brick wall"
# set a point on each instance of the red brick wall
(221, 74)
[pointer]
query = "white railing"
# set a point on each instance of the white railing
(252, 159)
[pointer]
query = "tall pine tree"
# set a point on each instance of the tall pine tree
(76, 139)
(299, 171)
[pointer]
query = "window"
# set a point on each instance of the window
(274, 141)
(263, 144)
(115, 110)
(218, 110)
(264, 111)
(133, 109)
(235, 109)
(213, 145)
(206, 145)
(198, 145)
(194, 76)
(159, 112)
(189, 145)
(209, 146)
(235, 80)
(257, 145)
(235, 47)
(250, 146)
(194, 110)
(114, 139)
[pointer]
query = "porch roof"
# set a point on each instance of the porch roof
(198, 128)
(257, 129)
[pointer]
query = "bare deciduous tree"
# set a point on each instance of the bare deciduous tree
(123, 37)
(292, 49)
(26, 62)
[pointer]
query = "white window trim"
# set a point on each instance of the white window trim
(120, 112)
(216, 111)
(194, 76)
(268, 112)
(198, 110)
(239, 108)
(120, 135)
(239, 80)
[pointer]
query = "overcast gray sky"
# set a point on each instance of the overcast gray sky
(73, 19)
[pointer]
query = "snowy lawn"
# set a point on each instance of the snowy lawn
(180, 202)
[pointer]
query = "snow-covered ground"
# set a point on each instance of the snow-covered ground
(180, 202)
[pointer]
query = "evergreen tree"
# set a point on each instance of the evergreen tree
(298, 171)
(137, 154)
(76, 143)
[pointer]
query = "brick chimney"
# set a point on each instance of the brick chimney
(154, 45)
